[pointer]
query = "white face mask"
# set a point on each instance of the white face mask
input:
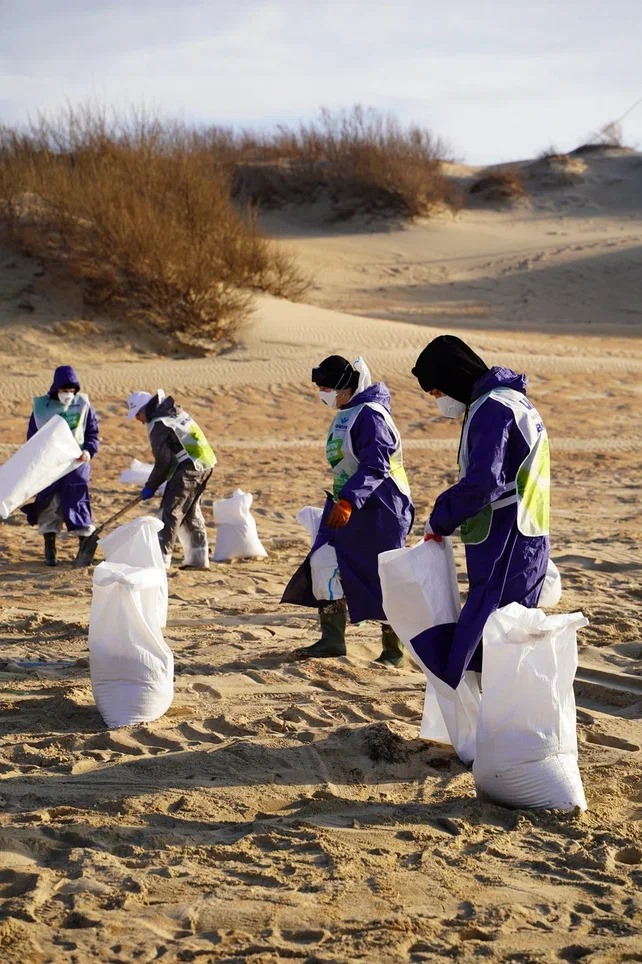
(450, 407)
(330, 398)
(65, 398)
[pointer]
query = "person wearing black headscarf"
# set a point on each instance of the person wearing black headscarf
(500, 503)
(369, 511)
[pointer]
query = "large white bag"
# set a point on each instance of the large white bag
(131, 666)
(527, 740)
(136, 544)
(138, 473)
(324, 567)
(236, 535)
(552, 589)
(48, 455)
(419, 588)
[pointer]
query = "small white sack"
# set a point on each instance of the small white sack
(48, 455)
(527, 739)
(136, 544)
(236, 535)
(324, 567)
(419, 588)
(138, 473)
(131, 666)
(552, 589)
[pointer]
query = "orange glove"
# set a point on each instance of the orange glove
(339, 514)
(434, 536)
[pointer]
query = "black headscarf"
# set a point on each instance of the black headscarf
(336, 372)
(450, 366)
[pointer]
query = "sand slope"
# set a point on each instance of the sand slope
(282, 810)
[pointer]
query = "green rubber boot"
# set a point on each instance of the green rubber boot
(392, 647)
(332, 618)
(50, 549)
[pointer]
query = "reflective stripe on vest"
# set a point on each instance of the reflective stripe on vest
(341, 456)
(75, 415)
(530, 490)
(194, 444)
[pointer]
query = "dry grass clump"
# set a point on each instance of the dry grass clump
(141, 212)
(358, 160)
(553, 169)
(504, 186)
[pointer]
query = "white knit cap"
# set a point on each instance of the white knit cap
(135, 402)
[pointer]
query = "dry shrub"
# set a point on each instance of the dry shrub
(504, 186)
(359, 160)
(142, 214)
(552, 169)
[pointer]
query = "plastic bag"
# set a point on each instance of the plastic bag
(48, 455)
(552, 589)
(526, 739)
(131, 666)
(419, 589)
(236, 535)
(136, 544)
(138, 473)
(324, 567)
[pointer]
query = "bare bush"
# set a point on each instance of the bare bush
(359, 160)
(142, 214)
(504, 186)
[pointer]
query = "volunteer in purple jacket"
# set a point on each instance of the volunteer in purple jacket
(500, 503)
(370, 510)
(67, 500)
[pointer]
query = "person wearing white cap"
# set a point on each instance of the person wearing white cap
(184, 459)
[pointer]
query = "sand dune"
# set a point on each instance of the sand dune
(282, 810)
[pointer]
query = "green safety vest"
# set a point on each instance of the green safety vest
(75, 415)
(341, 457)
(194, 444)
(530, 490)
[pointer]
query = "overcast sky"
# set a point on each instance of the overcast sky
(499, 80)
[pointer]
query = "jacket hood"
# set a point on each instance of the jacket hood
(375, 393)
(63, 375)
(156, 409)
(499, 378)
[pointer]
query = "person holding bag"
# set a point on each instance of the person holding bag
(369, 511)
(500, 503)
(65, 502)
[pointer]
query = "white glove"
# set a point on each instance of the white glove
(427, 529)
(84, 456)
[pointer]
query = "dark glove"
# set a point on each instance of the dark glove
(147, 493)
(339, 514)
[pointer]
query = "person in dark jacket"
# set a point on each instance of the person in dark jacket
(183, 459)
(65, 502)
(500, 503)
(370, 510)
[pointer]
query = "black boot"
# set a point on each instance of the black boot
(332, 617)
(392, 647)
(50, 549)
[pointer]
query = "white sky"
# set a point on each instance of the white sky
(498, 80)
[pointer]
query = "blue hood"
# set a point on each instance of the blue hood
(375, 393)
(499, 378)
(63, 375)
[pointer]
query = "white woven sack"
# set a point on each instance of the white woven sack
(552, 589)
(526, 739)
(138, 473)
(136, 544)
(236, 534)
(324, 566)
(131, 666)
(48, 455)
(419, 588)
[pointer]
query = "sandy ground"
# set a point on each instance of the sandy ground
(282, 810)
